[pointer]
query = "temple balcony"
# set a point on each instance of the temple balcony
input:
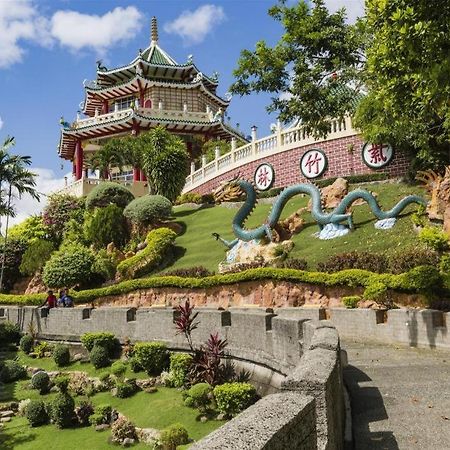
(83, 186)
(157, 113)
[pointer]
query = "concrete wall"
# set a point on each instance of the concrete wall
(292, 356)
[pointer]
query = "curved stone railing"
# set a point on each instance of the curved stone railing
(296, 358)
(280, 141)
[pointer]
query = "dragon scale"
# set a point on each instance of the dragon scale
(322, 218)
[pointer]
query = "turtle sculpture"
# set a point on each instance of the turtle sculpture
(238, 187)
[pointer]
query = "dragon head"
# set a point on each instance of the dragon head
(228, 190)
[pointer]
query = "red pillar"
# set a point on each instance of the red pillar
(136, 174)
(105, 106)
(79, 159)
(143, 177)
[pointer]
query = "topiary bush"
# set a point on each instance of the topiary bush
(61, 355)
(118, 368)
(423, 279)
(148, 259)
(199, 396)
(173, 436)
(376, 291)
(402, 261)
(232, 398)
(36, 413)
(125, 389)
(9, 332)
(62, 409)
(102, 415)
(41, 381)
(123, 429)
(179, 369)
(434, 238)
(153, 357)
(106, 225)
(355, 260)
(69, 267)
(101, 338)
(351, 301)
(12, 371)
(99, 357)
(148, 209)
(26, 343)
(109, 193)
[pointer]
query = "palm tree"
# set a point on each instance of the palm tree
(108, 157)
(19, 181)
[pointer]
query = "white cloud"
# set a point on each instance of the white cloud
(76, 31)
(193, 26)
(1, 123)
(353, 8)
(21, 23)
(46, 183)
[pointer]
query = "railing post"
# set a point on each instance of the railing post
(279, 143)
(192, 167)
(203, 165)
(254, 137)
(217, 156)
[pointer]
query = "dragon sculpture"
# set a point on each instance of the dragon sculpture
(237, 187)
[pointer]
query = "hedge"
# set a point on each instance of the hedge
(420, 279)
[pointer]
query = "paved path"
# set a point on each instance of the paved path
(400, 396)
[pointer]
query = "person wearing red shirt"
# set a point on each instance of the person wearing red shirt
(50, 301)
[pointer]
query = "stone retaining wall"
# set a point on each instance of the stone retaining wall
(284, 352)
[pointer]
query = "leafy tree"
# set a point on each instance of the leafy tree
(108, 157)
(310, 70)
(408, 77)
(29, 230)
(11, 253)
(35, 256)
(106, 225)
(165, 162)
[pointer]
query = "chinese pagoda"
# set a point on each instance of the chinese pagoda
(152, 90)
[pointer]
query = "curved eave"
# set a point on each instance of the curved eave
(95, 96)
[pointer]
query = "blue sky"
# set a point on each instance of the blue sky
(47, 49)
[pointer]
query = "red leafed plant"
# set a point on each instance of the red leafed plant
(185, 323)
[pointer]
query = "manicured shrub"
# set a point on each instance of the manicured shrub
(83, 412)
(99, 357)
(35, 256)
(101, 338)
(355, 260)
(423, 278)
(41, 381)
(199, 395)
(62, 409)
(189, 197)
(102, 415)
(351, 301)
(118, 368)
(26, 343)
(68, 267)
(134, 364)
(232, 398)
(194, 272)
(173, 436)
(153, 357)
(148, 259)
(41, 349)
(402, 261)
(105, 264)
(179, 368)
(61, 355)
(148, 209)
(36, 413)
(434, 238)
(123, 429)
(376, 291)
(12, 371)
(106, 225)
(9, 332)
(295, 263)
(109, 193)
(125, 389)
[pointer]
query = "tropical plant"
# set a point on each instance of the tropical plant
(108, 157)
(35, 256)
(185, 322)
(11, 254)
(165, 162)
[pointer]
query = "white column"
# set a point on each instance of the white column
(203, 160)
(192, 167)
(279, 143)
(116, 107)
(160, 105)
(254, 128)
(185, 107)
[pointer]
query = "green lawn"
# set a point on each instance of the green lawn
(196, 246)
(157, 410)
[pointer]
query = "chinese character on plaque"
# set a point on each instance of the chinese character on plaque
(313, 163)
(264, 177)
(377, 155)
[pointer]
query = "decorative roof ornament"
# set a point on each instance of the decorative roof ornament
(190, 59)
(228, 96)
(215, 76)
(197, 78)
(154, 31)
(100, 68)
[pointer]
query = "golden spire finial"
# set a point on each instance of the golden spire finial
(154, 30)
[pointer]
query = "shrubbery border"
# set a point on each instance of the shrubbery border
(422, 279)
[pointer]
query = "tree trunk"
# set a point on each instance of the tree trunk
(6, 239)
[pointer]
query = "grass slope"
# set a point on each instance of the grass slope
(198, 247)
